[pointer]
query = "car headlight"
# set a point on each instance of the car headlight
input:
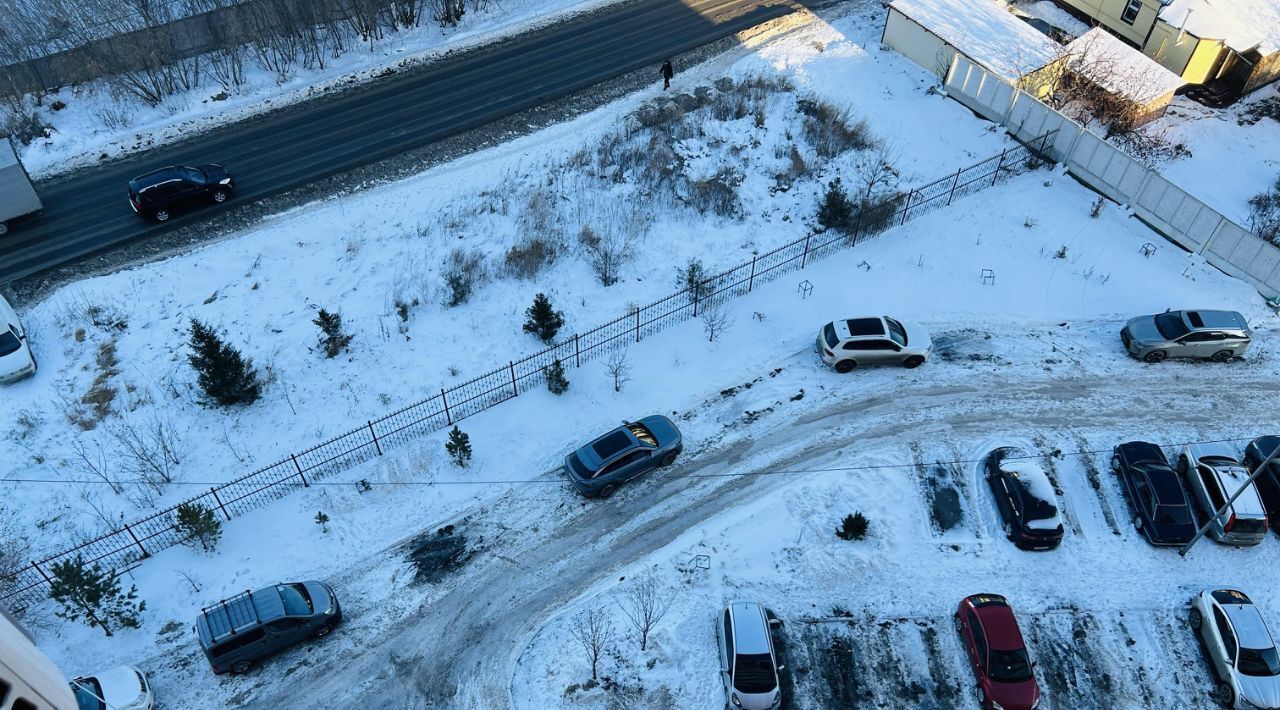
(734, 698)
(998, 706)
(225, 181)
(1036, 704)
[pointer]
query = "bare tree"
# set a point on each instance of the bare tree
(619, 367)
(605, 253)
(644, 603)
(93, 463)
(152, 450)
(715, 320)
(875, 172)
(592, 630)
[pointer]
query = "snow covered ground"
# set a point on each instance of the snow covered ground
(778, 447)
(98, 122)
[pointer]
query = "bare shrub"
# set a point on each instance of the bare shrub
(152, 449)
(1264, 214)
(593, 631)
(619, 367)
(644, 603)
(463, 272)
(605, 253)
(715, 320)
(15, 549)
(114, 117)
(718, 193)
(526, 259)
(875, 173)
(93, 462)
(1149, 148)
(831, 130)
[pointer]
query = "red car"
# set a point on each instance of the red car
(1005, 672)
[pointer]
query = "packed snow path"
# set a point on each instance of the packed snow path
(543, 547)
(89, 211)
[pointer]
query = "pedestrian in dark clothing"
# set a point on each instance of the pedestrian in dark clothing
(667, 73)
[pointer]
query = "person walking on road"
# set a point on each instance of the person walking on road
(667, 73)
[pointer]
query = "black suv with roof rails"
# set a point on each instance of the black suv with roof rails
(158, 193)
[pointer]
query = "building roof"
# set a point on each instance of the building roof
(983, 31)
(1102, 58)
(1240, 24)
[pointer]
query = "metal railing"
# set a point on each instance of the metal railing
(142, 538)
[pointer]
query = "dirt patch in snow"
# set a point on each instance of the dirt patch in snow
(436, 555)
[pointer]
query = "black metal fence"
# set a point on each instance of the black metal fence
(137, 540)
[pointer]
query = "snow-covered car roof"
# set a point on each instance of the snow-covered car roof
(1032, 477)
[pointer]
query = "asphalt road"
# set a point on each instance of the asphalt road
(89, 211)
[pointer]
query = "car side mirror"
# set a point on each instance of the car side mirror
(782, 668)
(775, 623)
(1035, 663)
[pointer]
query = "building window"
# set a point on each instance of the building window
(1131, 11)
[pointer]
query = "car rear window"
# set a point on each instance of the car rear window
(1173, 515)
(578, 468)
(754, 673)
(1010, 666)
(610, 444)
(1248, 526)
(829, 335)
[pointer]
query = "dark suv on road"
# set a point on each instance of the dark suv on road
(158, 193)
(235, 633)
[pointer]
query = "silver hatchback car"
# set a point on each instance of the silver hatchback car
(1207, 335)
(748, 664)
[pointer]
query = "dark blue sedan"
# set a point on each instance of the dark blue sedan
(1162, 512)
(597, 469)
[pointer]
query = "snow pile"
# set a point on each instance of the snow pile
(1240, 24)
(983, 31)
(1115, 66)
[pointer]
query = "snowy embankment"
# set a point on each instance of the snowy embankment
(96, 121)
(1047, 324)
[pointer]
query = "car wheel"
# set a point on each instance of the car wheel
(322, 631)
(1195, 617)
(845, 366)
(241, 667)
(955, 621)
(668, 459)
(913, 362)
(1222, 356)
(608, 490)
(1115, 464)
(1008, 530)
(1137, 522)
(162, 215)
(4, 229)
(1226, 694)
(1155, 356)
(219, 196)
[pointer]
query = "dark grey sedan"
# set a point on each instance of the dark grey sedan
(597, 469)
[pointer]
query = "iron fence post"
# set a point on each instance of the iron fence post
(751, 279)
(299, 467)
(515, 391)
(136, 541)
(218, 500)
(577, 352)
(447, 417)
(999, 166)
(374, 434)
(637, 325)
(954, 183)
(42, 574)
(696, 290)
(805, 256)
(906, 209)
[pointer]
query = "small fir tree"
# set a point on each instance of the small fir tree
(225, 376)
(836, 210)
(853, 527)
(542, 320)
(198, 524)
(556, 381)
(693, 279)
(332, 339)
(458, 447)
(93, 594)
(323, 521)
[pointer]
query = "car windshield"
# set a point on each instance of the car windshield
(1173, 515)
(829, 335)
(88, 694)
(754, 673)
(896, 331)
(1171, 326)
(9, 342)
(1010, 666)
(296, 600)
(194, 175)
(1259, 661)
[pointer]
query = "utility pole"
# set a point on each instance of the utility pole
(1226, 506)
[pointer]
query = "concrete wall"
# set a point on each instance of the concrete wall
(914, 42)
(1172, 211)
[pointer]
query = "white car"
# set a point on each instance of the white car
(16, 361)
(123, 688)
(748, 664)
(1240, 648)
(848, 343)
